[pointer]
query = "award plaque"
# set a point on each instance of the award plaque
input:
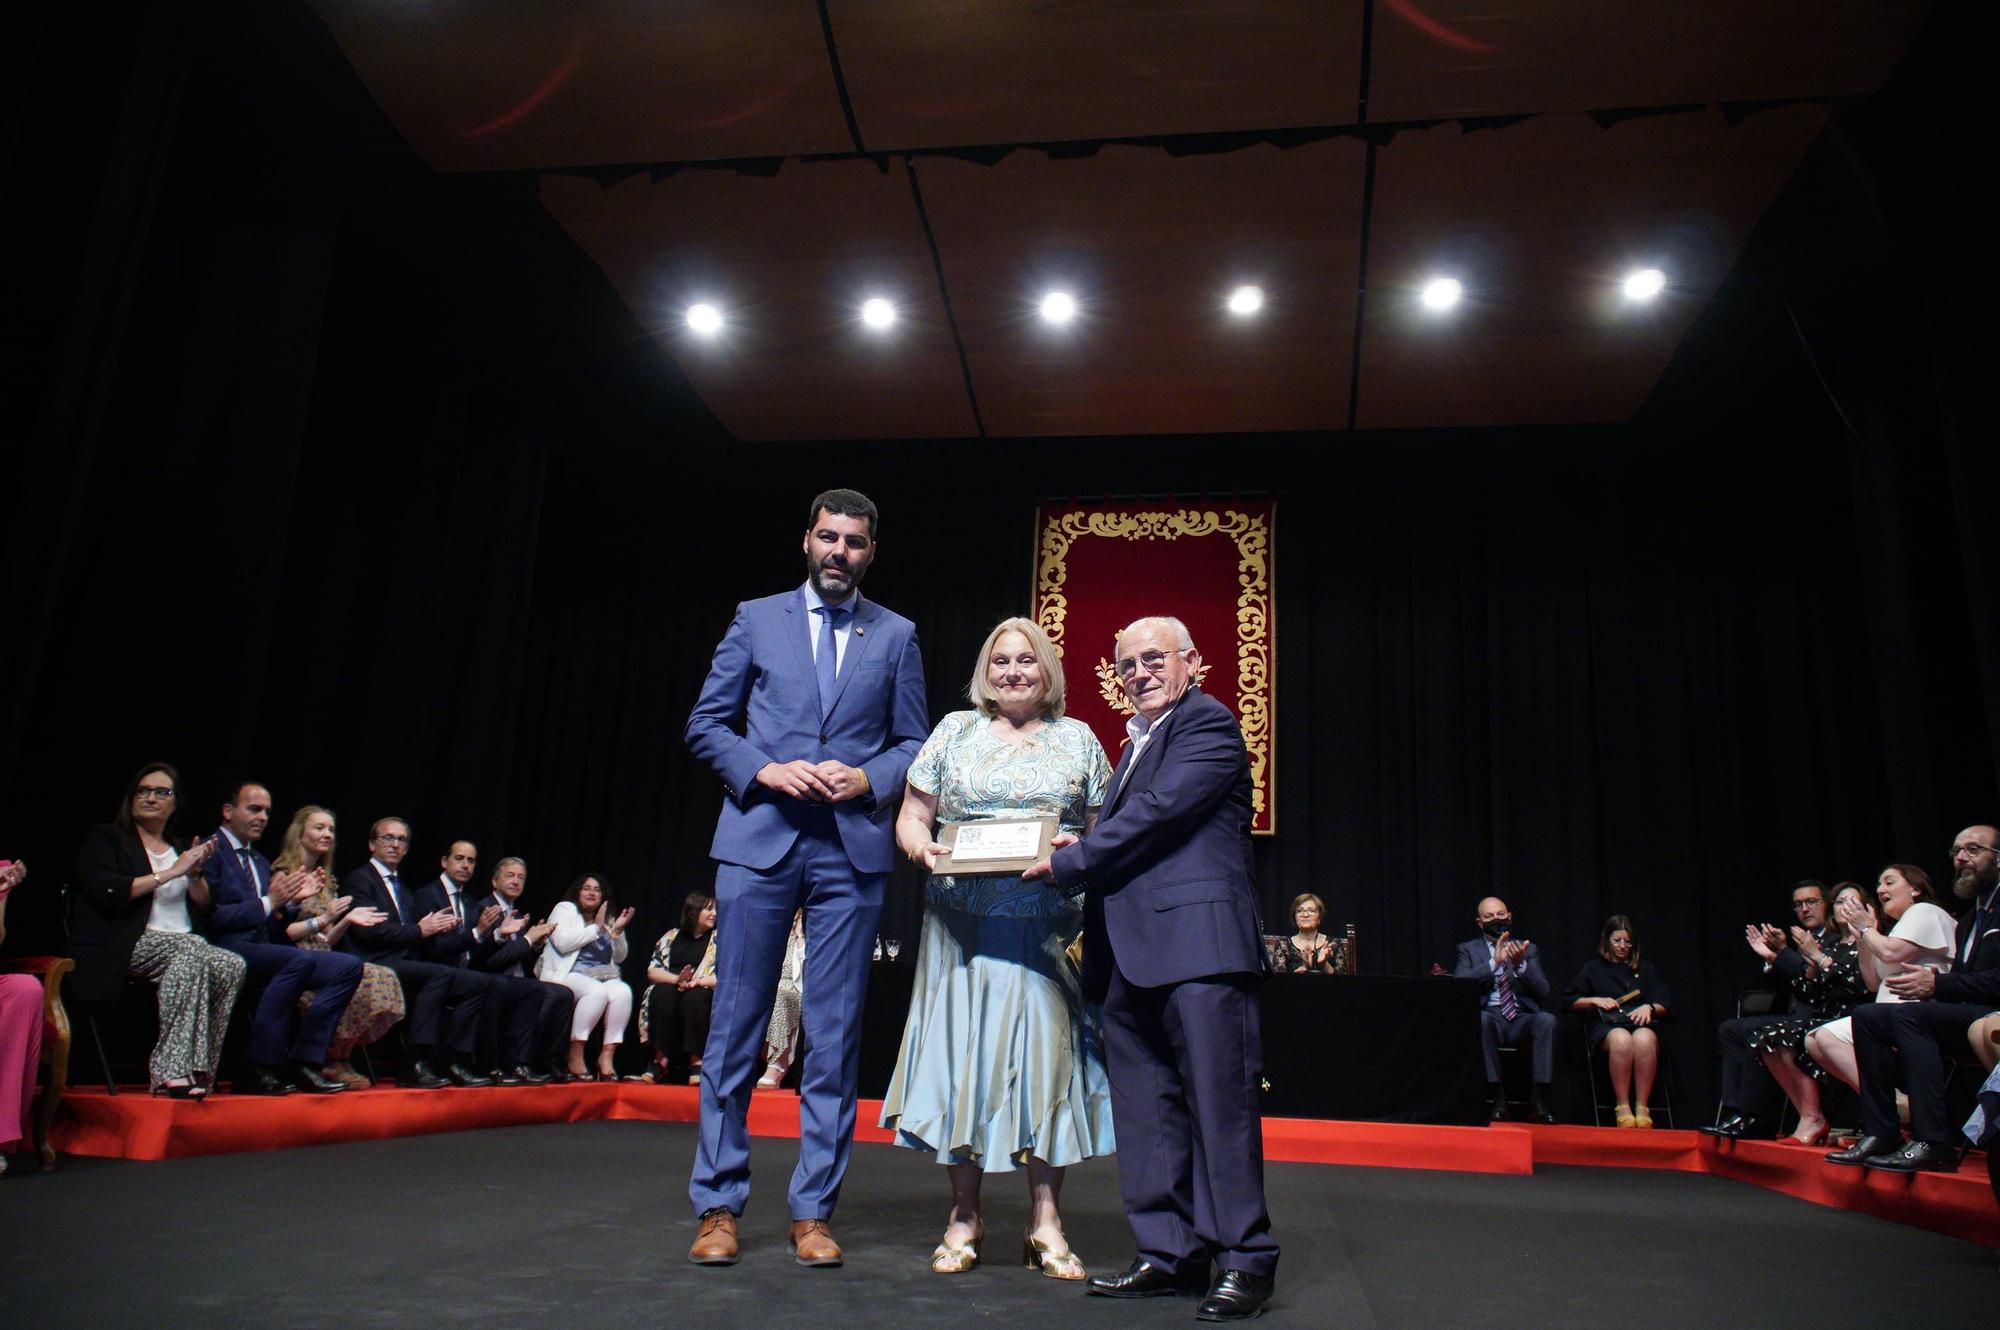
(1002, 845)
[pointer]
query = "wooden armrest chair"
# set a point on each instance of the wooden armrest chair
(55, 1041)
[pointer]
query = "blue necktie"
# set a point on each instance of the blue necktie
(396, 899)
(827, 663)
(250, 867)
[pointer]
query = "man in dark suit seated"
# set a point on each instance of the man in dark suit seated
(1173, 947)
(1511, 1014)
(512, 1005)
(251, 910)
(1902, 1043)
(512, 947)
(1750, 1098)
(397, 942)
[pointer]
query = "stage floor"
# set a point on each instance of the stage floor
(586, 1224)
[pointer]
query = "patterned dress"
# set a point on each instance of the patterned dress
(377, 1004)
(1831, 994)
(1001, 1057)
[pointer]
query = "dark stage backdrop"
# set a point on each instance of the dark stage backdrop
(361, 480)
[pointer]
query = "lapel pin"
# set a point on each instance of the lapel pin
(858, 631)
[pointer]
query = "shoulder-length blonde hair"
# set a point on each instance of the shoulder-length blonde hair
(292, 850)
(1051, 700)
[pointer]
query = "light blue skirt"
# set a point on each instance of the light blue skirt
(1001, 1058)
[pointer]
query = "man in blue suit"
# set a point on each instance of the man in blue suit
(812, 710)
(252, 911)
(1510, 1013)
(1173, 947)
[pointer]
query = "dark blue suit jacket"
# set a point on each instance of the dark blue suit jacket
(239, 916)
(1167, 869)
(760, 704)
(457, 945)
(393, 938)
(1475, 961)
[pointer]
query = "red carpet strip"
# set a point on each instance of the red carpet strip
(133, 1125)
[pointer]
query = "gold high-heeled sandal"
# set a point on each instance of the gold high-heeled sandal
(957, 1258)
(1037, 1255)
(1622, 1115)
(1642, 1119)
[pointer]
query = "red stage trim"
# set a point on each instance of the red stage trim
(136, 1126)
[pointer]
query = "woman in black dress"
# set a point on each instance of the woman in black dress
(1624, 1000)
(674, 1011)
(1307, 951)
(1832, 987)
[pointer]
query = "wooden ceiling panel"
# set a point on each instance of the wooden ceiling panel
(789, 259)
(1438, 58)
(931, 73)
(517, 84)
(1150, 245)
(1540, 220)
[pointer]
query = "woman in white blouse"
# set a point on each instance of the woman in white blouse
(584, 954)
(1922, 936)
(135, 886)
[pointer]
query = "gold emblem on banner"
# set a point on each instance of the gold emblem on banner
(1252, 536)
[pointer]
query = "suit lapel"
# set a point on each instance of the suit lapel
(1150, 758)
(799, 627)
(859, 643)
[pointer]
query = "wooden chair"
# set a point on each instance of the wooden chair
(55, 1042)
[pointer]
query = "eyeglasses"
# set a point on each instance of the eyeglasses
(391, 838)
(153, 793)
(1152, 662)
(1806, 904)
(1970, 851)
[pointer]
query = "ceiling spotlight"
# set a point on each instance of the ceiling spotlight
(1442, 292)
(705, 319)
(1058, 307)
(1644, 283)
(1246, 300)
(877, 312)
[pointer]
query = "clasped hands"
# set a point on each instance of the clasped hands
(1507, 951)
(827, 782)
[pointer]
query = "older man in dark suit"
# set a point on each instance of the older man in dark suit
(1173, 948)
(1511, 1014)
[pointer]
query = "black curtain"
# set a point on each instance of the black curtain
(360, 479)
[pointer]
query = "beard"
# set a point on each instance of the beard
(1971, 884)
(826, 590)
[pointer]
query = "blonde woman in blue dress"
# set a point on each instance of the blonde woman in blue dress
(1002, 1063)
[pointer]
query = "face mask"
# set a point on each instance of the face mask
(1495, 927)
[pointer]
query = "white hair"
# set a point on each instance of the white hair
(1182, 641)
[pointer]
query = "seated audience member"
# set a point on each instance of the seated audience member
(321, 920)
(781, 1037)
(513, 1006)
(1831, 987)
(20, 1033)
(1307, 951)
(397, 943)
(136, 890)
(1937, 999)
(584, 953)
(1511, 1014)
(1982, 1129)
(513, 950)
(254, 904)
(1625, 1002)
(1749, 1095)
(1906, 902)
(680, 991)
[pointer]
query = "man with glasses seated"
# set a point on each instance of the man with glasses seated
(1902, 1043)
(1750, 1098)
(397, 943)
(507, 1035)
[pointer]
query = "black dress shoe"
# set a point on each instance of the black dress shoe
(505, 1076)
(1498, 1109)
(1238, 1295)
(466, 1076)
(529, 1076)
(1917, 1157)
(1538, 1110)
(1862, 1151)
(1142, 1280)
(422, 1077)
(1731, 1127)
(262, 1080)
(309, 1079)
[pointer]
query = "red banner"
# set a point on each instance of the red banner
(1100, 566)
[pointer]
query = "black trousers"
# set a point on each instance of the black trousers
(1903, 1043)
(1747, 1086)
(513, 1017)
(429, 989)
(677, 1020)
(547, 1038)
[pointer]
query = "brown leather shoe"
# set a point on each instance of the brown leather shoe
(715, 1244)
(812, 1243)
